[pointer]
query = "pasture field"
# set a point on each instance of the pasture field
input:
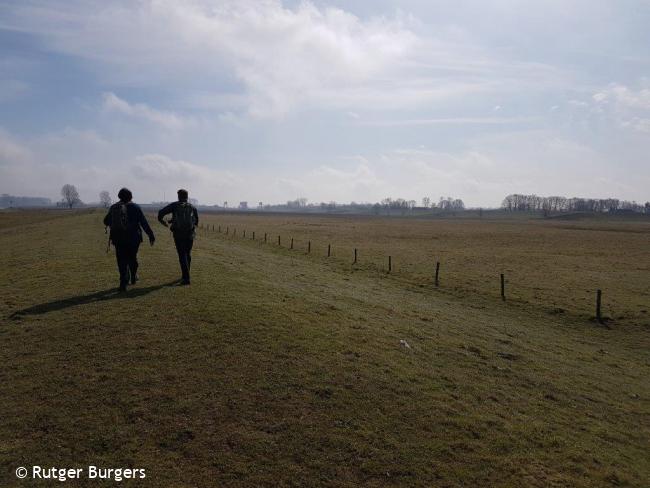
(278, 368)
(556, 265)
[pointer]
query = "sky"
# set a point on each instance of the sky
(356, 100)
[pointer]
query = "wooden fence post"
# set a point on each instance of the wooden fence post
(355, 255)
(599, 317)
(437, 272)
(291, 243)
(503, 287)
(244, 233)
(253, 235)
(390, 263)
(329, 250)
(265, 237)
(308, 247)
(279, 241)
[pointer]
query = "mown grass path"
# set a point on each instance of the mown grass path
(275, 370)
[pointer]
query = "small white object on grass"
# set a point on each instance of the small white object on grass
(404, 343)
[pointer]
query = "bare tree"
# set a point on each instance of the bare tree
(451, 204)
(401, 205)
(387, 203)
(105, 199)
(297, 203)
(426, 202)
(70, 195)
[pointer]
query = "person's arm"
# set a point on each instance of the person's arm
(145, 225)
(107, 219)
(165, 211)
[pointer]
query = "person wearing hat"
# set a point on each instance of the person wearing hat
(185, 219)
(127, 221)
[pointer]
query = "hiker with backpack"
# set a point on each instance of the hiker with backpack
(126, 221)
(185, 218)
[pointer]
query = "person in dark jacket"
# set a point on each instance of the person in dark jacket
(185, 218)
(126, 221)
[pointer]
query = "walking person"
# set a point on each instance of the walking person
(185, 218)
(126, 221)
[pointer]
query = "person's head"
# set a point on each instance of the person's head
(125, 195)
(182, 195)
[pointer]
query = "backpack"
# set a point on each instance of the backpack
(119, 219)
(183, 218)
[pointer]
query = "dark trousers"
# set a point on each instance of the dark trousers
(127, 260)
(184, 250)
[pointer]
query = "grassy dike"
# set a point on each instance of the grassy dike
(277, 370)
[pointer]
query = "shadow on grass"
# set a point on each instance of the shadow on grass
(100, 296)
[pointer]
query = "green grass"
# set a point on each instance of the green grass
(280, 369)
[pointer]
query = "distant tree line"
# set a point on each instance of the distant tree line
(450, 204)
(531, 203)
(402, 206)
(515, 202)
(297, 203)
(7, 201)
(387, 205)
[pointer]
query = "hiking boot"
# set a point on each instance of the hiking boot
(122, 288)
(185, 282)
(134, 279)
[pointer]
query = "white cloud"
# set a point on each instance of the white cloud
(253, 80)
(628, 107)
(72, 136)
(483, 172)
(11, 151)
(284, 59)
(452, 121)
(167, 120)
(637, 124)
(625, 96)
(582, 103)
(28, 171)
(486, 169)
(598, 97)
(164, 173)
(353, 184)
